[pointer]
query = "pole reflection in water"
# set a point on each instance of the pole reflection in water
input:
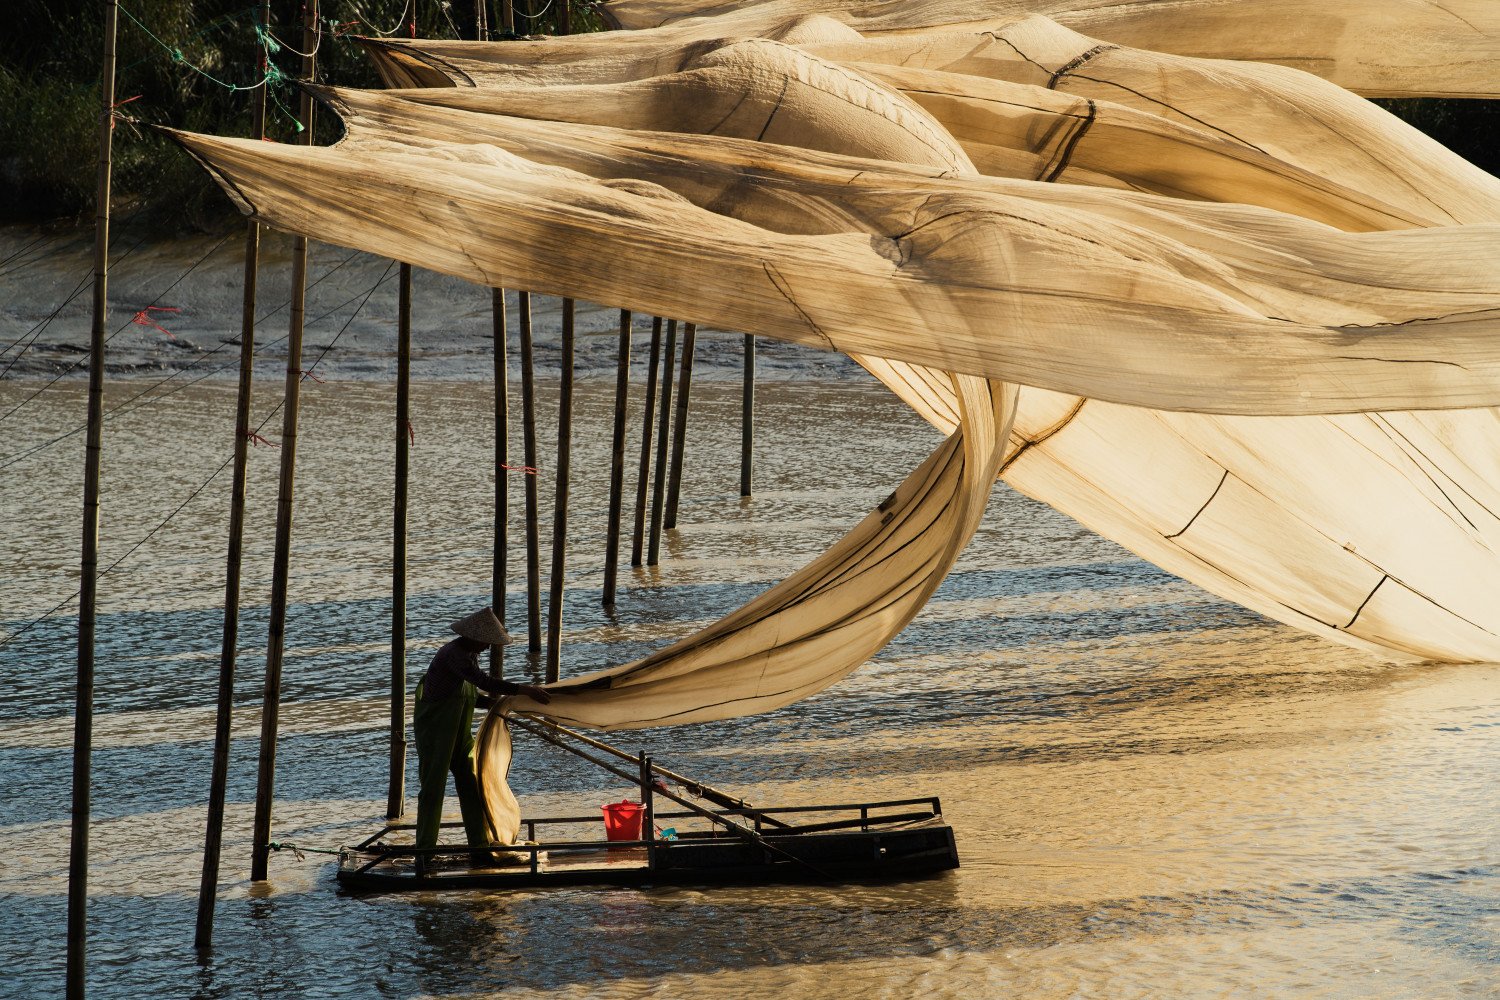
(1155, 793)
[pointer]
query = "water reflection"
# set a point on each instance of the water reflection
(1156, 794)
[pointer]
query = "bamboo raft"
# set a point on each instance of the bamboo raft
(741, 844)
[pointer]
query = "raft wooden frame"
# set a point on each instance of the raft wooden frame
(885, 845)
(870, 846)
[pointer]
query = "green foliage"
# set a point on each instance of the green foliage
(190, 75)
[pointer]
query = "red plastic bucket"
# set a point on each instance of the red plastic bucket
(622, 820)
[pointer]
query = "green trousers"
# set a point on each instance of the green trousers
(444, 732)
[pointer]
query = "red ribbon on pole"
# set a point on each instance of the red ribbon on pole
(308, 374)
(528, 469)
(114, 111)
(143, 318)
(411, 432)
(256, 440)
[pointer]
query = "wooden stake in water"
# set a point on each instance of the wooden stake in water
(83, 707)
(395, 802)
(270, 716)
(502, 474)
(679, 429)
(560, 503)
(508, 16)
(664, 423)
(617, 463)
(529, 450)
(648, 414)
(747, 419)
(213, 838)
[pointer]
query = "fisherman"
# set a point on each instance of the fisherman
(443, 723)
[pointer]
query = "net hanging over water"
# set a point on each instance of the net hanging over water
(1225, 312)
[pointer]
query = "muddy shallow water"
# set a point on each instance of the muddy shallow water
(1156, 793)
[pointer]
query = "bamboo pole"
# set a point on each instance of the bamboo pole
(679, 429)
(617, 463)
(560, 503)
(508, 16)
(83, 709)
(648, 802)
(481, 20)
(564, 17)
(213, 838)
(270, 716)
(664, 423)
(648, 413)
(549, 733)
(528, 444)
(502, 475)
(747, 420)
(395, 802)
(698, 788)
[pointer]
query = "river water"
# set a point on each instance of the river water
(1156, 793)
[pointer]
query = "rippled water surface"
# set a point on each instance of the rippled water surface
(1156, 793)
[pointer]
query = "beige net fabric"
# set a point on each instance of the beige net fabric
(1188, 263)
(1113, 295)
(1440, 617)
(492, 757)
(818, 625)
(1372, 47)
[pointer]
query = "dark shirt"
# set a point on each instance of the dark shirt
(452, 666)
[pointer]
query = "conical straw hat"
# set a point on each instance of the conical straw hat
(482, 626)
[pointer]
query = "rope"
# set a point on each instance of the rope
(128, 323)
(42, 325)
(82, 283)
(36, 331)
(298, 852)
(10, 460)
(308, 372)
(538, 15)
(212, 25)
(63, 245)
(193, 495)
(443, 6)
(275, 44)
(400, 22)
(176, 53)
(6, 264)
(26, 248)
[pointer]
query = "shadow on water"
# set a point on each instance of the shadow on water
(1150, 786)
(321, 943)
(131, 643)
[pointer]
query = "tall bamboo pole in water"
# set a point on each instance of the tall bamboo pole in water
(502, 475)
(617, 463)
(747, 419)
(213, 838)
(270, 716)
(83, 710)
(395, 801)
(679, 429)
(560, 503)
(508, 16)
(648, 414)
(529, 450)
(659, 480)
(502, 426)
(564, 17)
